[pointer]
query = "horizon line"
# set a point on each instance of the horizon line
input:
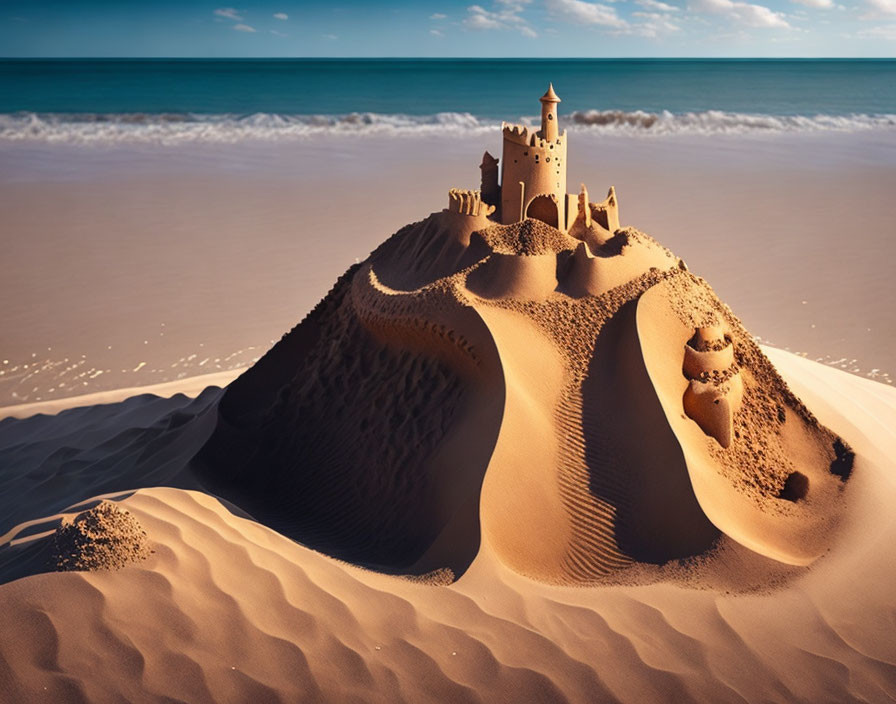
(448, 58)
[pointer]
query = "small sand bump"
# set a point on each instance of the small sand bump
(104, 537)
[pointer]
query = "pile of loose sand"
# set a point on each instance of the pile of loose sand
(104, 537)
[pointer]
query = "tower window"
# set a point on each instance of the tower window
(550, 117)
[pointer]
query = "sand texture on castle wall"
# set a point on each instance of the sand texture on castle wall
(467, 474)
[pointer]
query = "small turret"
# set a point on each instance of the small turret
(549, 128)
(489, 184)
(585, 207)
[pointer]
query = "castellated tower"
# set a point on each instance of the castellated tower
(491, 191)
(533, 180)
(533, 177)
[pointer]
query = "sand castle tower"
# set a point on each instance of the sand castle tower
(491, 191)
(533, 179)
(533, 182)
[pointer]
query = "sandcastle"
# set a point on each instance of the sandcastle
(519, 370)
(533, 182)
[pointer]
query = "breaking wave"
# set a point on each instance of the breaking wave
(718, 122)
(176, 128)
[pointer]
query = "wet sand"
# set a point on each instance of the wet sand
(135, 265)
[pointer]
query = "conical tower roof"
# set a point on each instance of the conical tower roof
(550, 96)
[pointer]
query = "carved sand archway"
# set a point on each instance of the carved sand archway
(544, 208)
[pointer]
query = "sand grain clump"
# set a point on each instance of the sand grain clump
(104, 537)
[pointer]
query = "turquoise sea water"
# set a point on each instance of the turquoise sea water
(234, 99)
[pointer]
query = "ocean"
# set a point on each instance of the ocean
(161, 219)
(226, 100)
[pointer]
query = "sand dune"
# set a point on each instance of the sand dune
(191, 386)
(49, 461)
(228, 610)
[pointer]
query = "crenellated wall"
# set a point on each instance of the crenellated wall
(539, 165)
(468, 202)
(606, 213)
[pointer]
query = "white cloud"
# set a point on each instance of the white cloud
(652, 25)
(243, 28)
(229, 13)
(330, 36)
(279, 34)
(281, 16)
(437, 16)
(515, 6)
(643, 24)
(743, 13)
(581, 12)
(506, 15)
(657, 6)
(480, 18)
(436, 33)
(880, 32)
(822, 4)
(879, 7)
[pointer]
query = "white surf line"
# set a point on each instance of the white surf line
(190, 386)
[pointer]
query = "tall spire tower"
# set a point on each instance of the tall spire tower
(549, 128)
(533, 177)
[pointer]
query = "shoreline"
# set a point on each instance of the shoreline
(195, 385)
(190, 386)
(149, 261)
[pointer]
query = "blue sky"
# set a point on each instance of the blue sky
(524, 28)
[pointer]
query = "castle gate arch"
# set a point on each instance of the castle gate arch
(544, 208)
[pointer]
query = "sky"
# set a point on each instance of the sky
(449, 28)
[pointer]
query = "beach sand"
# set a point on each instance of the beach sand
(226, 609)
(478, 442)
(194, 259)
(495, 463)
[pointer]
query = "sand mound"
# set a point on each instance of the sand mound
(104, 537)
(613, 263)
(526, 238)
(518, 387)
(776, 488)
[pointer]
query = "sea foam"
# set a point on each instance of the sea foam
(177, 128)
